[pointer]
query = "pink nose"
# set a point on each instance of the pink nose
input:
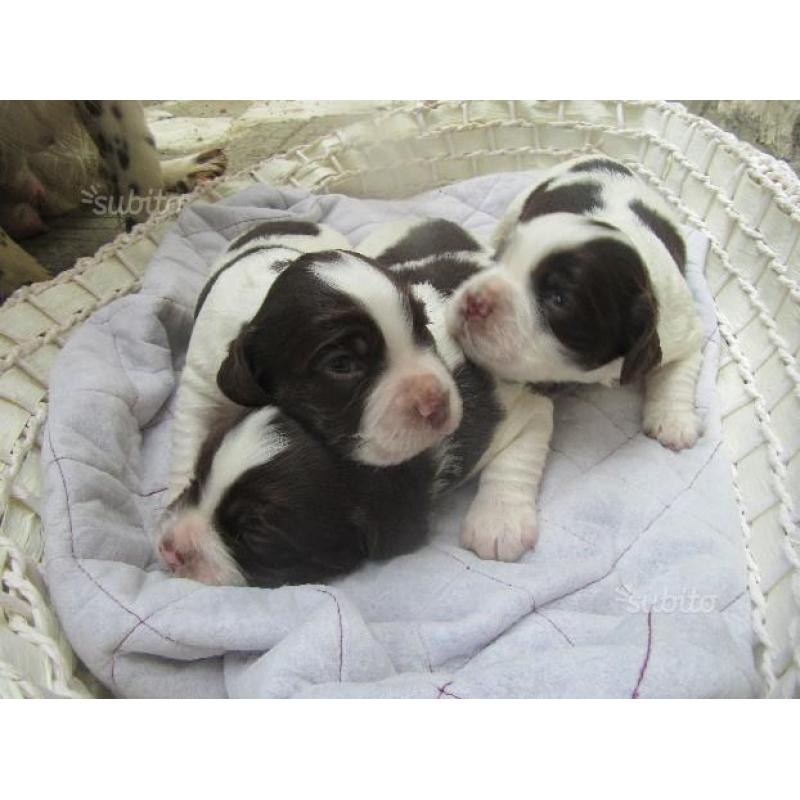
(477, 306)
(434, 408)
(429, 400)
(173, 557)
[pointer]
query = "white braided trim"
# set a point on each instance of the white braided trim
(777, 466)
(19, 451)
(24, 688)
(32, 624)
(770, 172)
(774, 261)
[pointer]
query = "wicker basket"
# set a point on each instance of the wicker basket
(747, 203)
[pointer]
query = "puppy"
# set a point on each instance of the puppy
(589, 288)
(327, 336)
(270, 504)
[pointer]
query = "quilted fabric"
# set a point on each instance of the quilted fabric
(636, 589)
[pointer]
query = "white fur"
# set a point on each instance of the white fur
(387, 235)
(501, 522)
(249, 444)
(435, 304)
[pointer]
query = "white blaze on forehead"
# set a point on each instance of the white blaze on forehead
(250, 443)
(533, 241)
(375, 292)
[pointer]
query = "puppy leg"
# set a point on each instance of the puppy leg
(669, 413)
(501, 522)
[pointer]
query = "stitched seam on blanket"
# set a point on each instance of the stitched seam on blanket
(341, 627)
(116, 651)
(470, 568)
(649, 525)
(535, 610)
(59, 459)
(643, 669)
(553, 624)
(83, 569)
(443, 690)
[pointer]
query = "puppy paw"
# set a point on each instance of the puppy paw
(185, 174)
(674, 429)
(500, 528)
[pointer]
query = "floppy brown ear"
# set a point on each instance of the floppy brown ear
(235, 378)
(644, 353)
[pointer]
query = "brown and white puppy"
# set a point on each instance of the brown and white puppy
(329, 337)
(589, 288)
(271, 504)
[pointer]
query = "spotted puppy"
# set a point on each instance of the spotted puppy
(589, 287)
(324, 334)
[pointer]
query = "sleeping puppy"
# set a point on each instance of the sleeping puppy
(324, 334)
(270, 504)
(590, 288)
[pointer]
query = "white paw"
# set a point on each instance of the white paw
(676, 430)
(500, 528)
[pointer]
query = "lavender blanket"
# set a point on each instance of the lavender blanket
(636, 589)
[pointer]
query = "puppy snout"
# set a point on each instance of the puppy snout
(428, 400)
(434, 408)
(477, 305)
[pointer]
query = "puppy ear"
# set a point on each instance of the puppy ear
(644, 353)
(235, 378)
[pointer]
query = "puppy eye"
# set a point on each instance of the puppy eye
(341, 365)
(557, 299)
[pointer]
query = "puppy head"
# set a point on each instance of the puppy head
(570, 300)
(269, 505)
(343, 348)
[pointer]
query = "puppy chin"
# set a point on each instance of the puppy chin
(390, 441)
(490, 344)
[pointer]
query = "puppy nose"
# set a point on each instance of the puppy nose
(431, 401)
(172, 556)
(434, 409)
(477, 305)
